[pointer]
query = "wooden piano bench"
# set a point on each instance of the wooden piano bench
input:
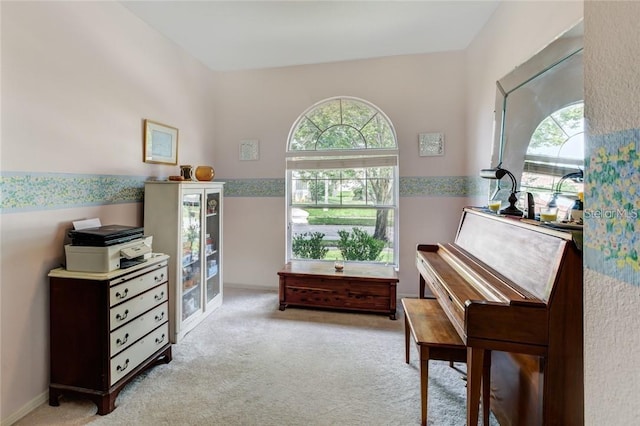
(436, 339)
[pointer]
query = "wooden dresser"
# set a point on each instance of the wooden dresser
(106, 328)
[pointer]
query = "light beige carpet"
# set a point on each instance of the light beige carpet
(251, 364)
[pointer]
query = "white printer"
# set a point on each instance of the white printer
(107, 248)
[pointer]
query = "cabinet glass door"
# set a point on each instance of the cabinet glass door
(212, 246)
(191, 259)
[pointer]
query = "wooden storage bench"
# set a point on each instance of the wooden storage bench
(359, 287)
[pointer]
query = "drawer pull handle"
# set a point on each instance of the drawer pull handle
(159, 296)
(160, 317)
(123, 294)
(160, 278)
(160, 339)
(121, 342)
(121, 317)
(122, 368)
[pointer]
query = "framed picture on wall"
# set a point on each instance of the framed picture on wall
(431, 144)
(160, 143)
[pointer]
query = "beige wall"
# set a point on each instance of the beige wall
(78, 78)
(419, 93)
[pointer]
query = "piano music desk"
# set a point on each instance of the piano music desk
(364, 287)
(436, 339)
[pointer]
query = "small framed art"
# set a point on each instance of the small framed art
(249, 150)
(160, 143)
(431, 144)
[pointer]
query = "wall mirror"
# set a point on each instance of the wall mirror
(539, 121)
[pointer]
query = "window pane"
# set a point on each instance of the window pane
(370, 186)
(355, 113)
(357, 234)
(378, 134)
(564, 126)
(380, 191)
(537, 181)
(550, 183)
(326, 115)
(340, 137)
(380, 186)
(332, 192)
(573, 147)
(301, 191)
(354, 191)
(570, 119)
(547, 139)
(304, 137)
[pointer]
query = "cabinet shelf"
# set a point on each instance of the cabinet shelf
(189, 290)
(189, 261)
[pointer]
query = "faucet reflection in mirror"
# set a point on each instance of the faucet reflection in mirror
(574, 176)
(498, 173)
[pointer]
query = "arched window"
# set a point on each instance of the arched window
(556, 149)
(342, 183)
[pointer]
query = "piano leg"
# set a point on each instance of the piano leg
(407, 349)
(486, 388)
(475, 367)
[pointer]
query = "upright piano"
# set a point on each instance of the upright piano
(513, 291)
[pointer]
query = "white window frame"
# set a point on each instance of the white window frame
(342, 158)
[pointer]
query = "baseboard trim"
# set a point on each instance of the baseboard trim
(26, 409)
(250, 287)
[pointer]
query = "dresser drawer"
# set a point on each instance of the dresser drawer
(130, 309)
(126, 335)
(128, 289)
(131, 357)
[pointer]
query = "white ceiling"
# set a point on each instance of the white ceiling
(237, 35)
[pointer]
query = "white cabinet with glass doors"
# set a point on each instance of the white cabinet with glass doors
(185, 220)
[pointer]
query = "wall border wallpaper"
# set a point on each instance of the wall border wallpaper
(26, 191)
(612, 205)
(443, 186)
